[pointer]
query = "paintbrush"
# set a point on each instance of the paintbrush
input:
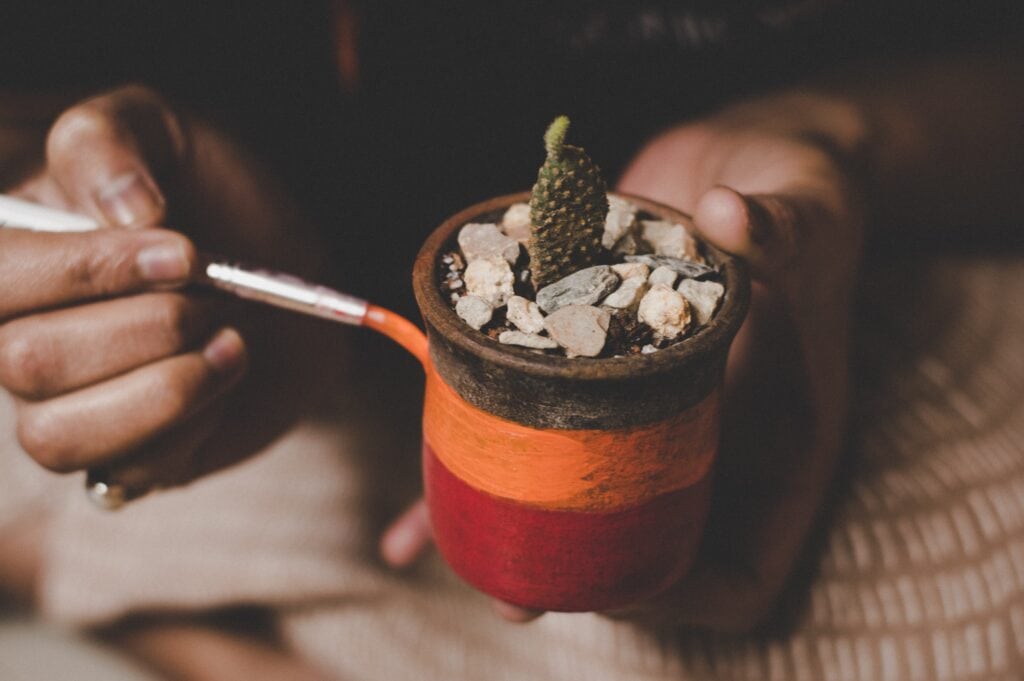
(264, 286)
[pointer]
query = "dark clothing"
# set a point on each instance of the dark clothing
(454, 96)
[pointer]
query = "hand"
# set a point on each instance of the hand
(114, 362)
(772, 182)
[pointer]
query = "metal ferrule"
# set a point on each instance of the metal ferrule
(286, 291)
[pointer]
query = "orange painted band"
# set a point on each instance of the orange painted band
(584, 470)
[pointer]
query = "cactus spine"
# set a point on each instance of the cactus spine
(567, 210)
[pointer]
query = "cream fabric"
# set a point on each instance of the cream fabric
(921, 578)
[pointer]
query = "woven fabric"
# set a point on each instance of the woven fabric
(921, 576)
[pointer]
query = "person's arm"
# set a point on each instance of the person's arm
(947, 145)
(937, 144)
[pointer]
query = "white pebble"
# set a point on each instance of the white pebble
(628, 294)
(626, 245)
(665, 311)
(580, 329)
(663, 275)
(703, 296)
(474, 311)
(490, 279)
(628, 270)
(525, 315)
(620, 221)
(526, 340)
(516, 222)
(479, 241)
(670, 239)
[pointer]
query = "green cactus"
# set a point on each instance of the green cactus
(567, 210)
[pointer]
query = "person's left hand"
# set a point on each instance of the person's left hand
(773, 182)
(115, 363)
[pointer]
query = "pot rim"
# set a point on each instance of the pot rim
(438, 313)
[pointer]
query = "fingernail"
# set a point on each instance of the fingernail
(131, 201)
(226, 351)
(163, 262)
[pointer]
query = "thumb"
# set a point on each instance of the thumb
(763, 229)
(107, 152)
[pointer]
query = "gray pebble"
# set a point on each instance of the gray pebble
(586, 287)
(687, 268)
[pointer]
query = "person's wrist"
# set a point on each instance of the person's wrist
(836, 122)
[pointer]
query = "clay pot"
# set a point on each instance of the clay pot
(568, 484)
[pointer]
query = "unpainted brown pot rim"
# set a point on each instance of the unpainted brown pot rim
(438, 313)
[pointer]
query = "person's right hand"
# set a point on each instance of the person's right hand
(774, 182)
(112, 361)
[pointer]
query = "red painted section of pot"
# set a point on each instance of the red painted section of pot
(563, 560)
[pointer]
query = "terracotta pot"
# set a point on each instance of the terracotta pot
(568, 484)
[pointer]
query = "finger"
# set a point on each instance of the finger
(41, 188)
(97, 424)
(48, 354)
(764, 229)
(108, 152)
(513, 613)
(408, 537)
(40, 271)
(171, 458)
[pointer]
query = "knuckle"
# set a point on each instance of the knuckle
(100, 271)
(38, 433)
(78, 123)
(138, 101)
(117, 113)
(25, 365)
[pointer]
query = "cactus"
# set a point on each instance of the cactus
(567, 210)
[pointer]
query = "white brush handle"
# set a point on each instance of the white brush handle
(25, 215)
(264, 286)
